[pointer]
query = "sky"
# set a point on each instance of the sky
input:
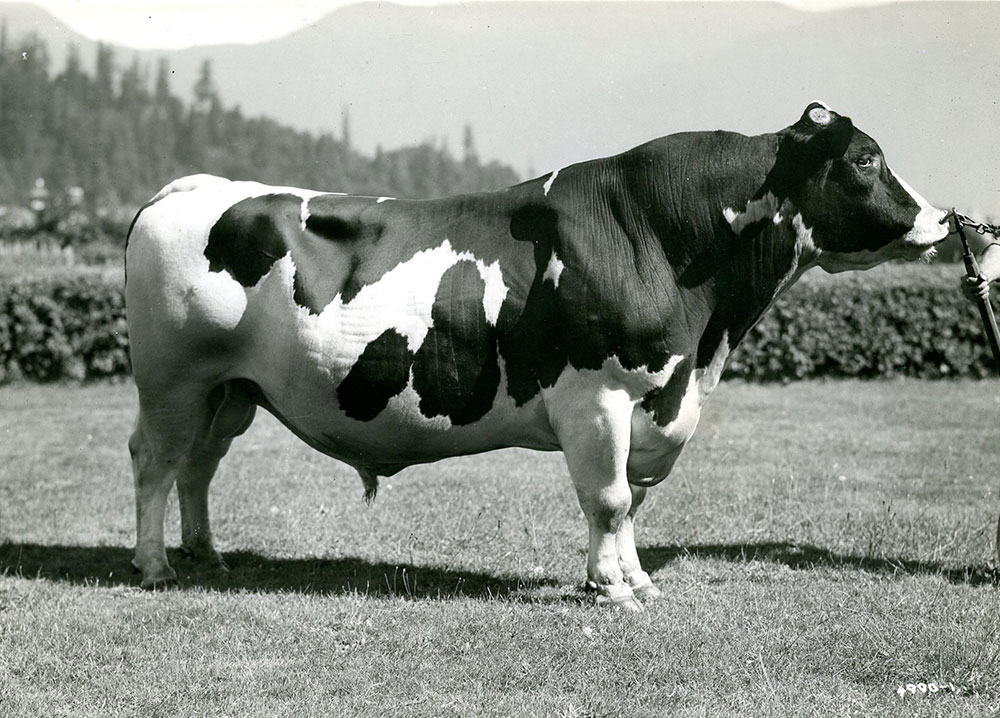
(924, 83)
(172, 24)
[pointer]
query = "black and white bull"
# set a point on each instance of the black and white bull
(591, 311)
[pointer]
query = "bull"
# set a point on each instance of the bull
(591, 310)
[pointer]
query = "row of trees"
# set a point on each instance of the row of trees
(122, 133)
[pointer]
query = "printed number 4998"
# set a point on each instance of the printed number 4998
(925, 688)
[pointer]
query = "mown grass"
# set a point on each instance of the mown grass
(820, 544)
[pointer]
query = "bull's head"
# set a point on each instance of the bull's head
(859, 212)
(850, 210)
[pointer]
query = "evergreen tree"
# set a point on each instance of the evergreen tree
(121, 140)
(345, 127)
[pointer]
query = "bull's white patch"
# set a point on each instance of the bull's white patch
(708, 378)
(380, 200)
(405, 407)
(303, 214)
(169, 241)
(821, 115)
(548, 183)
(496, 290)
(803, 234)
(402, 299)
(640, 380)
(681, 428)
(189, 184)
(766, 207)
(927, 227)
(655, 448)
(553, 270)
(571, 397)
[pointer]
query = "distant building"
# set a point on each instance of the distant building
(38, 197)
(75, 196)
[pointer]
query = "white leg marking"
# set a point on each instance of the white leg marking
(628, 558)
(592, 419)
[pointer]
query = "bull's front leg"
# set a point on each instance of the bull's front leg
(593, 425)
(628, 558)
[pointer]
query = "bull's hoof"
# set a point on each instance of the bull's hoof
(151, 584)
(623, 603)
(647, 593)
(161, 578)
(205, 555)
(613, 596)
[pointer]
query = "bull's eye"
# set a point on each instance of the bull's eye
(865, 162)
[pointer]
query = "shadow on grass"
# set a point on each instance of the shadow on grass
(805, 557)
(111, 566)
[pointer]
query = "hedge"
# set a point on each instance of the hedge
(62, 327)
(849, 330)
(903, 321)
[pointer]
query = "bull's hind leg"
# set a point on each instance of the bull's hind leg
(180, 439)
(593, 428)
(231, 411)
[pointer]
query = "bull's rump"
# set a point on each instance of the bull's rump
(375, 347)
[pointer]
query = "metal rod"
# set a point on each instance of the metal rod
(983, 303)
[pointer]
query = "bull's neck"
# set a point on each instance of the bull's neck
(735, 268)
(756, 271)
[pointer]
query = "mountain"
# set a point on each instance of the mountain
(21, 19)
(546, 84)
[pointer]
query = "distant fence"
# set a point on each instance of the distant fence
(47, 251)
(894, 321)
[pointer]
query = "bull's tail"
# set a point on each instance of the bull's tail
(370, 479)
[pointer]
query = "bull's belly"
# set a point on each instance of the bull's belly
(308, 373)
(400, 435)
(345, 382)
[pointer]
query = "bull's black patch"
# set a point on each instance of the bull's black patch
(665, 403)
(534, 223)
(332, 226)
(330, 255)
(250, 236)
(455, 370)
(531, 332)
(381, 372)
(337, 219)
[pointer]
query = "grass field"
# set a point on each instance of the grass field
(820, 545)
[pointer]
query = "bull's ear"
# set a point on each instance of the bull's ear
(822, 133)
